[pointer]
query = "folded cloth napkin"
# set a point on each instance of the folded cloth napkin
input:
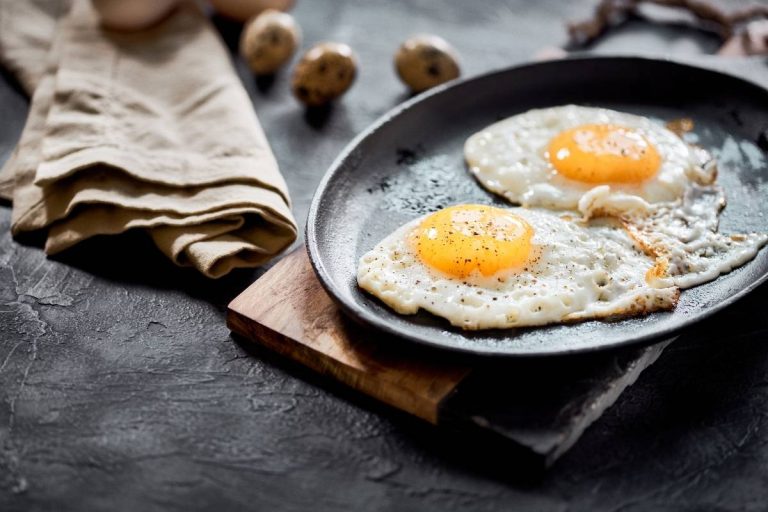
(149, 130)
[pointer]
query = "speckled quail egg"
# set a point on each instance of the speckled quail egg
(425, 61)
(324, 73)
(269, 40)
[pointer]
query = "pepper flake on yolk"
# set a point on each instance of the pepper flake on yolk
(460, 240)
(603, 153)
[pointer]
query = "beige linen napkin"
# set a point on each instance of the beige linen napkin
(147, 130)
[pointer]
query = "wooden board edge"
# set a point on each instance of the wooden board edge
(394, 396)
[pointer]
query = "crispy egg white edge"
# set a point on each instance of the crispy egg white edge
(685, 234)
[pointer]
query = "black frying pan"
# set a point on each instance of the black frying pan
(410, 162)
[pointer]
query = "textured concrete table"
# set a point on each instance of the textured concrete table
(122, 389)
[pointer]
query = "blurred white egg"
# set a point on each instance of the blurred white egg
(132, 15)
(244, 10)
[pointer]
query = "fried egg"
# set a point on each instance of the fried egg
(483, 267)
(552, 157)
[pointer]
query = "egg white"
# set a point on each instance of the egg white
(580, 272)
(510, 158)
(683, 237)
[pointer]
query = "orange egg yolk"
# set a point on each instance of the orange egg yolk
(603, 153)
(462, 239)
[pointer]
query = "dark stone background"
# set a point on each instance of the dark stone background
(122, 388)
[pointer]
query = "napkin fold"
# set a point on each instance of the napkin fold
(149, 130)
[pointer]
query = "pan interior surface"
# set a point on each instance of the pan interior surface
(411, 163)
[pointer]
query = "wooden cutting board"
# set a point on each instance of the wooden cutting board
(540, 407)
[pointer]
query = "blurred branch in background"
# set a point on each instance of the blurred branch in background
(743, 30)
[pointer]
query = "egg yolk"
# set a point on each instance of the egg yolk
(603, 153)
(462, 239)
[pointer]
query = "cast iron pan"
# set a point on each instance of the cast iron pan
(410, 162)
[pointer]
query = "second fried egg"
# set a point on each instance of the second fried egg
(483, 267)
(552, 157)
